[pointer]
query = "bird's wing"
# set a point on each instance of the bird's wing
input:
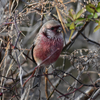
(32, 53)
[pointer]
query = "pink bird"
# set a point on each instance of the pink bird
(48, 40)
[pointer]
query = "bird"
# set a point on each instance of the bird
(48, 43)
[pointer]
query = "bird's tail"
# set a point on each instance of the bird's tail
(37, 79)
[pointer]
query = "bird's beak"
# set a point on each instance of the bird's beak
(59, 29)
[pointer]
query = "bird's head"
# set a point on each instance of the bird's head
(51, 29)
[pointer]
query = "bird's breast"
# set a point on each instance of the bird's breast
(48, 48)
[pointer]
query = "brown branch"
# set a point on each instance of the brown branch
(89, 92)
(55, 88)
(46, 83)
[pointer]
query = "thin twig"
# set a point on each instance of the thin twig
(89, 40)
(74, 37)
(55, 88)
(46, 83)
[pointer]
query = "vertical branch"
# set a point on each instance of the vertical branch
(18, 32)
(46, 83)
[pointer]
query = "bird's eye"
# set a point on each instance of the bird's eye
(52, 28)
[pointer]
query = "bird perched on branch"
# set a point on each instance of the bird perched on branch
(48, 46)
